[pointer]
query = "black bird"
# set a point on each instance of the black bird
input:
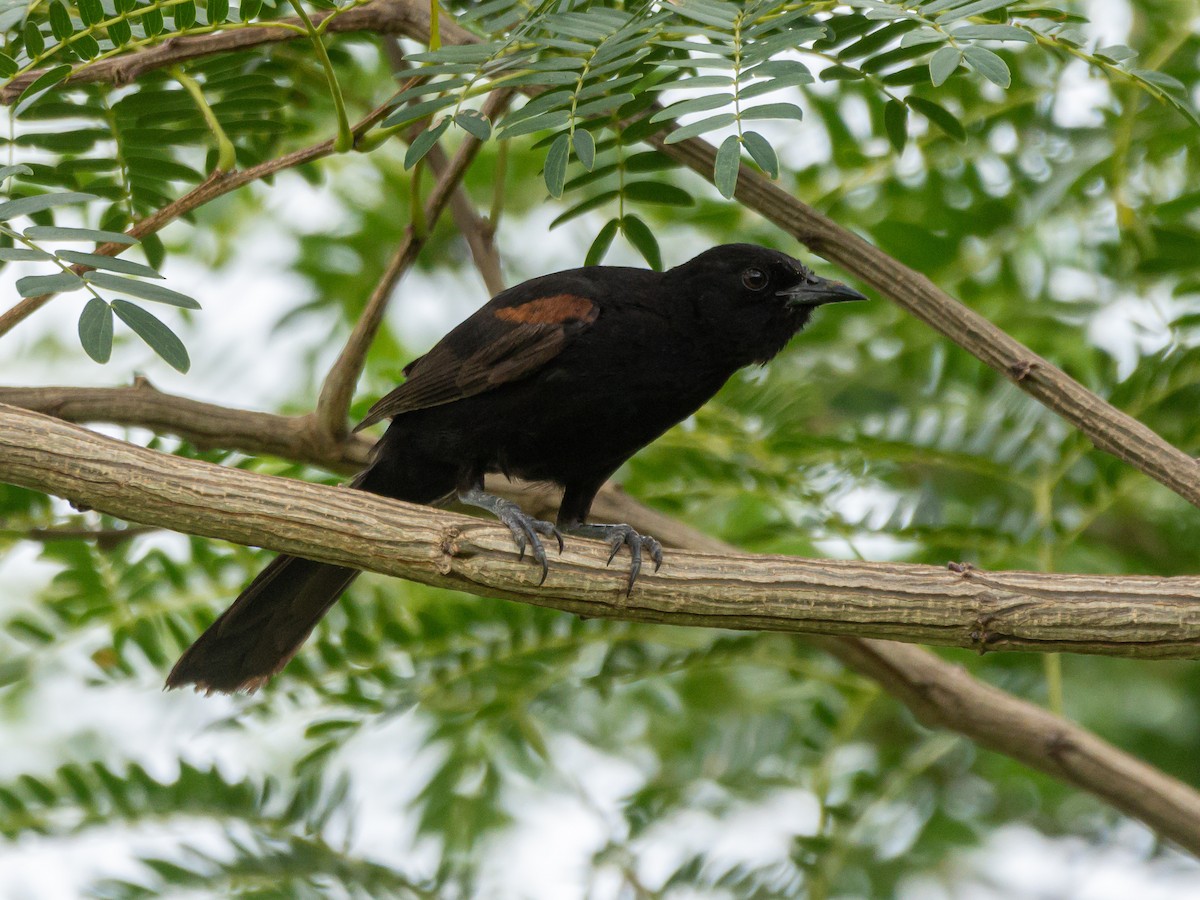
(559, 379)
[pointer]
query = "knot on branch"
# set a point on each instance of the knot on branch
(1021, 369)
(448, 548)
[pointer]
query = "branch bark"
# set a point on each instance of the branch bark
(1138, 616)
(435, 547)
(380, 17)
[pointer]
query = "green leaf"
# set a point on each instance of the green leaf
(96, 330)
(424, 142)
(602, 242)
(585, 148)
(1161, 80)
(8, 66)
(112, 264)
(184, 15)
(155, 292)
(406, 114)
(59, 282)
(474, 123)
(642, 238)
(60, 21)
(63, 233)
(1117, 52)
(841, 73)
(658, 192)
(992, 33)
(249, 10)
(774, 111)
(152, 22)
(43, 83)
(555, 171)
(895, 123)
(988, 64)
(942, 65)
(34, 42)
(155, 333)
(90, 11)
(28, 205)
(7, 172)
(729, 161)
(698, 128)
(120, 33)
(762, 152)
(85, 47)
(977, 8)
(24, 254)
(696, 104)
(217, 11)
(939, 116)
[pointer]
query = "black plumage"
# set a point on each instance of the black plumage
(559, 379)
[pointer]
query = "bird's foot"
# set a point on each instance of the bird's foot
(524, 527)
(619, 536)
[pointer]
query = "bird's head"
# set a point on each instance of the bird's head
(759, 297)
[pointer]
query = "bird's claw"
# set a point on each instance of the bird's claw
(525, 530)
(619, 536)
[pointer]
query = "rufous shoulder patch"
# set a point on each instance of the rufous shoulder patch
(553, 310)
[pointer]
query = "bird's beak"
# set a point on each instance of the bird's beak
(819, 291)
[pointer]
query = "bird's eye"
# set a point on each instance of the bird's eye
(754, 279)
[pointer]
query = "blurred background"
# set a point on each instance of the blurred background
(427, 743)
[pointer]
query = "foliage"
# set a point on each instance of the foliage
(943, 132)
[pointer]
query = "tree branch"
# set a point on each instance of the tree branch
(1136, 616)
(206, 425)
(338, 389)
(334, 525)
(380, 17)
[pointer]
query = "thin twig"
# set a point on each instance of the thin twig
(338, 389)
(479, 232)
(475, 229)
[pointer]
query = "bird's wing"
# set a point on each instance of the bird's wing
(503, 342)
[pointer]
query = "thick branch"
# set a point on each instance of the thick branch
(731, 591)
(338, 389)
(1135, 616)
(380, 17)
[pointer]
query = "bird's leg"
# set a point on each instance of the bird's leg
(524, 527)
(577, 501)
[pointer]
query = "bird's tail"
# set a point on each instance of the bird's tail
(274, 615)
(263, 629)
